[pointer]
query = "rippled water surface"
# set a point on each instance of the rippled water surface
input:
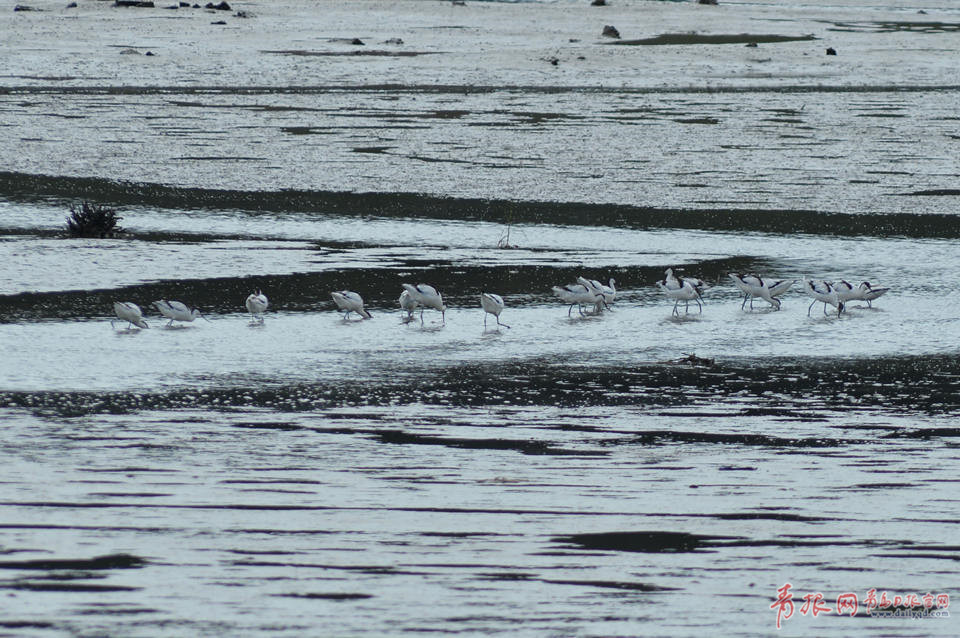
(630, 472)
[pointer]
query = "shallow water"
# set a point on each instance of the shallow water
(569, 475)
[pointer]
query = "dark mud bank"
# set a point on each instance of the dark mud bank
(66, 190)
(796, 391)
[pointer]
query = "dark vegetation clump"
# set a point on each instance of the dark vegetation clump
(93, 220)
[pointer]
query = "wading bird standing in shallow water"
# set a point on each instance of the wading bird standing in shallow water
(577, 295)
(177, 311)
(605, 294)
(407, 304)
(256, 305)
(492, 305)
(427, 297)
(686, 289)
(129, 312)
(868, 293)
(824, 292)
(349, 301)
(845, 291)
(754, 286)
(686, 292)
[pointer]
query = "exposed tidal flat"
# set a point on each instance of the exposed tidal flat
(567, 476)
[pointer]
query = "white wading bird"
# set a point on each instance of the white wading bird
(177, 311)
(686, 289)
(492, 305)
(754, 286)
(824, 292)
(606, 294)
(845, 291)
(868, 293)
(671, 281)
(349, 301)
(256, 305)
(408, 304)
(129, 312)
(427, 297)
(685, 292)
(577, 295)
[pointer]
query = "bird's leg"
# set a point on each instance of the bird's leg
(421, 316)
(810, 307)
(443, 316)
(501, 324)
(485, 320)
(699, 305)
(745, 297)
(570, 309)
(170, 323)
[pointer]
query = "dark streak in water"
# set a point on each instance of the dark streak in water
(460, 534)
(526, 447)
(260, 425)
(363, 569)
(112, 561)
(647, 542)
(321, 596)
(656, 437)
(939, 192)
(64, 587)
(928, 433)
(675, 39)
(114, 610)
(360, 52)
(607, 584)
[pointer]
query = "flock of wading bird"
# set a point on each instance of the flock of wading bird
(588, 293)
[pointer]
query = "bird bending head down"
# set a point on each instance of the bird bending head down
(492, 305)
(257, 304)
(427, 297)
(129, 312)
(349, 301)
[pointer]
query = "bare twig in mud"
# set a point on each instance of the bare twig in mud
(93, 220)
(504, 241)
(691, 359)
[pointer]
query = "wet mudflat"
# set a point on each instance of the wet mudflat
(570, 475)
